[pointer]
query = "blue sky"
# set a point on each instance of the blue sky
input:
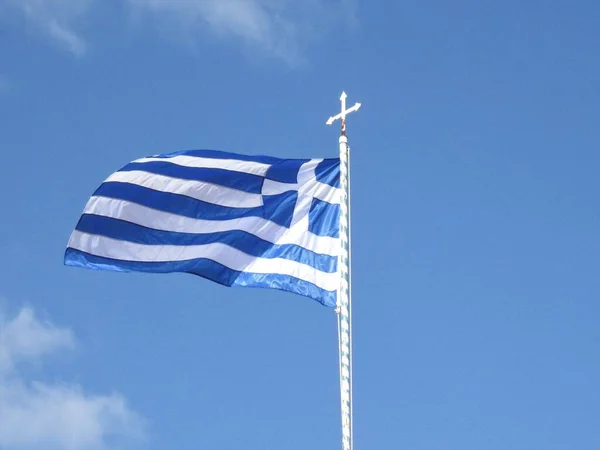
(476, 218)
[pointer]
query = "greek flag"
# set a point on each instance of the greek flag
(238, 220)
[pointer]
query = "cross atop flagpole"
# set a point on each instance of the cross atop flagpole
(344, 303)
(343, 113)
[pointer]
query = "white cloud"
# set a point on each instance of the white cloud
(37, 415)
(48, 417)
(27, 338)
(56, 19)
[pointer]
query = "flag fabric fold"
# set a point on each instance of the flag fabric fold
(238, 220)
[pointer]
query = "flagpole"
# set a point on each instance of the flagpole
(344, 303)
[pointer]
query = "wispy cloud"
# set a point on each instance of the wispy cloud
(56, 19)
(67, 38)
(37, 415)
(276, 27)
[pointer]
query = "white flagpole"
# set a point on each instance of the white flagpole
(344, 304)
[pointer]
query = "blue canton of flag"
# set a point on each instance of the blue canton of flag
(238, 220)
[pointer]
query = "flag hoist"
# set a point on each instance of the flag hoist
(344, 297)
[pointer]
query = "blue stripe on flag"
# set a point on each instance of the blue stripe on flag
(280, 206)
(215, 154)
(276, 208)
(286, 171)
(208, 269)
(285, 283)
(323, 218)
(241, 240)
(328, 172)
(236, 180)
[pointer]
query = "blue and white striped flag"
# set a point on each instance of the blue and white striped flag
(238, 220)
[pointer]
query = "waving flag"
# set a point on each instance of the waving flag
(238, 220)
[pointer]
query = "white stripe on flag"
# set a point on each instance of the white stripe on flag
(312, 187)
(235, 165)
(272, 187)
(200, 190)
(326, 193)
(261, 228)
(218, 252)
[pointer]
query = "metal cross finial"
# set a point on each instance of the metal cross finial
(343, 114)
